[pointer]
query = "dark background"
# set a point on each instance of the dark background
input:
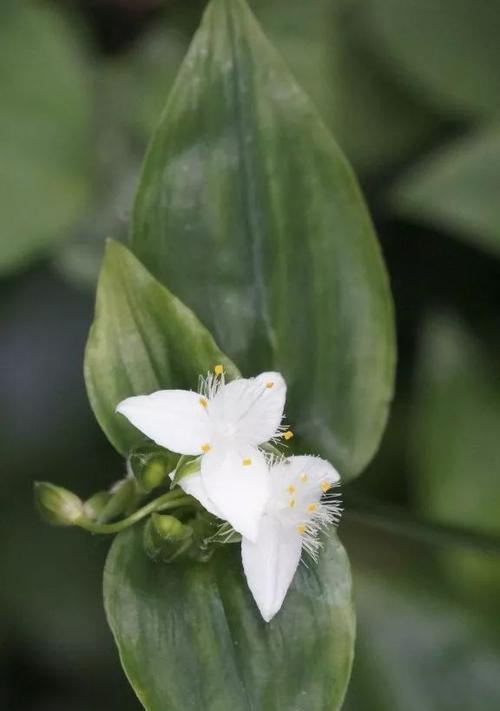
(412, 92)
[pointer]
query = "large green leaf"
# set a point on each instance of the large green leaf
(143, 339)
(446, 49)
(190, 636)
(249, 212)
(458, 189)
(45, 125)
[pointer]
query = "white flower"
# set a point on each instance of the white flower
(301, 503)
(225, 423)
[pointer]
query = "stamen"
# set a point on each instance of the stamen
(269, 385)
(291, 489)
(206, 448)
(301, 529)
(312, 508)
(288, 435)
(291, 503)
(325, 486)
(303, 478)
(247, 462)
(218, 369)
(203, 402)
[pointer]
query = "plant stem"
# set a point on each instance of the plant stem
(170, 500)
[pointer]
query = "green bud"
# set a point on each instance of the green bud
(56, 505)
(150, 466)
(165, 537)
(122, 497)
(93, 507)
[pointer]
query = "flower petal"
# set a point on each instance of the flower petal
(174, 419)
(270, 564)
(313, 470)
(237, 482)
(252, 408)
(193, 485)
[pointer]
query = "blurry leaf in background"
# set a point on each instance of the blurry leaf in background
(48, 431)
(130, 92)
(190, 636)
(45, 124)
(448, 50)
(248, 211)
(376, 120)
(456, 446)
(418, 647)
(458, 189)
(143, 339)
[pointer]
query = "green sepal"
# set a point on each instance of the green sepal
(94, 506)
(166, 538)
(150, 465)
(57, 505)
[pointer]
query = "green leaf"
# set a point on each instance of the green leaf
(143, 339)
(447, 50)
(456, 449)
(190, 636)
(248, 210)
(45, 130)
(457, 189)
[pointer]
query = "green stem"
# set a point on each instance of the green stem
(170, 500)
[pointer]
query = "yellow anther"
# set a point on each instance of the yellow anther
(301, 529)
(247, 462)
(325, 486)
(218, 369)
(303, 478)
(203, 402)
(291, 503)
(288, 434)
(312, 508)
(269, 385)
(205, 448)
(291, 489)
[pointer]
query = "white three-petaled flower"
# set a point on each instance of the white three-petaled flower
(225, 423)
(299, 506)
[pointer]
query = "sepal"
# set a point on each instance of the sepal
(166, 538)
(150, 465)
(56, 505)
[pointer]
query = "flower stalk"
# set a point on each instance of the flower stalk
(170, 500)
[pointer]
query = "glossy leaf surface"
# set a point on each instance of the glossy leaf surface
(249, 212)
(143, 339)
(190, 636)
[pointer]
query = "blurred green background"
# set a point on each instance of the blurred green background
(411, 89)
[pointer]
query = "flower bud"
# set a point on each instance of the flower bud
(56, 505)
(122, 498)
(150, 466)
(94, 507)
(165, 537)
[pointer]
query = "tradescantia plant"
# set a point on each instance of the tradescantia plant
(247, 210)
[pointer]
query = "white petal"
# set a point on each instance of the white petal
(174, 419)
(313, 469)
(251, 408)
(270, 564)
(193, 485)
(237, 482)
